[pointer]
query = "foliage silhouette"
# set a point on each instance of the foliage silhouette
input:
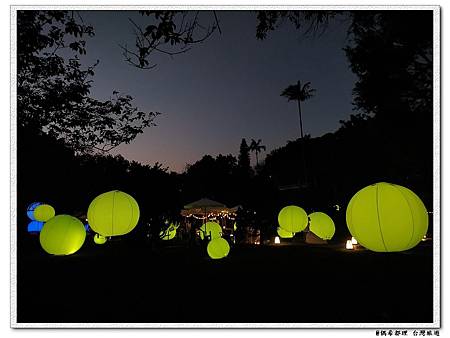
(53, 88)
(169, 33)
(257, 147)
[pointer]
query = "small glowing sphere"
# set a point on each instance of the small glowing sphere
(168, 234)
(212, 230)
(234, 226)
(35, 226)
(62, 235)
(99, 239)
(30, 210)
(387, 217)
(321, 225)
(43, 212)
(218, 248)
(277, 240)
(284, 234)
(113, 213)
(292, 219)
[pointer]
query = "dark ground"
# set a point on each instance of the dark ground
(123, 281)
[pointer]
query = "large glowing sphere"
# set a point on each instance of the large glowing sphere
(35, 226)
(387, 217)
(30, 210)
(43, 212)
(62, 235)
(99, 239)
(113, 213)
(321, 225)
(212, 230)
(292, 219)
(284, 234)
(168, 234)
(218, 248)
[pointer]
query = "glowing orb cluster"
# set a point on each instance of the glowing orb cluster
(211, 230)
(292, 219)
(43, 212)
(62, 235)
(218, 248)
(99, 239)
(321, 225)
(284, 234)
(387, 217)
(113, 213)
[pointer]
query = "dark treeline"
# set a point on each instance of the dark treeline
(62, 133)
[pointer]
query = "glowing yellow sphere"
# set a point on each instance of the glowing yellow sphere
(212, 230)
(218, 248)
(43, 212)
(292, 219)
(99, 239)
(168, 234)
(387, 217)
(62, 235)
(321, 225)
(284, 234)
(113, 213)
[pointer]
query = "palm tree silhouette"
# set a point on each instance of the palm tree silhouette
(300, 94)
(257, 147)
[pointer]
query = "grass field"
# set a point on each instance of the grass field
(127, 282)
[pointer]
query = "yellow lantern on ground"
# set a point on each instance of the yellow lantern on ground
(218, 248)
(62, 235)
(113, 213)
(292, 219)
(168, 234)
(99, 239)
(284, 234)
(387, 217)
(211, 230)
(321, 225)
(43, 212)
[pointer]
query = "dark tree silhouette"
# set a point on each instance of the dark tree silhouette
(169, 33)
(299, 93)
(244, 157)
(257, 147)
(53, 88)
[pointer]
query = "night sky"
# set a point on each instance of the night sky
(224, 89)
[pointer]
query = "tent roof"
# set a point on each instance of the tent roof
(204, 203)
(203, 206)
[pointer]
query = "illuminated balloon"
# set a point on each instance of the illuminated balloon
(211, 230)
(168, 234)
(292, 219)
(30, 210)
(218, 248)
(387, 217)
(113, 213)
(99, 239)
(35, 226)
(43, 212)
(284, 234)
(62, 235)
(321, 225)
